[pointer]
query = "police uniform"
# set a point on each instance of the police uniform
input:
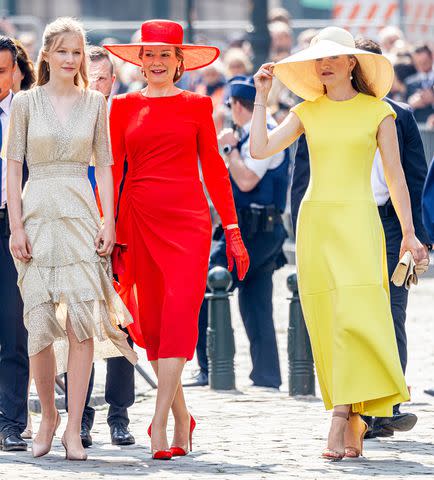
(259, 214)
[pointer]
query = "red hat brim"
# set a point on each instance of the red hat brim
(195, 56)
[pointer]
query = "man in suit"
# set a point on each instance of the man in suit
(420, 86)
(119, 387)
(415, 170)
(14, 363)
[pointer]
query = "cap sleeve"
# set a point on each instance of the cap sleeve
(18, 125)
(384, 109)
(300, 110)
(102, 155)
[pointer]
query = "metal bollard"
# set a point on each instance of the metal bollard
(300, 362)
(220, 344)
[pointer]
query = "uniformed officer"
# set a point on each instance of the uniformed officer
(260, 190)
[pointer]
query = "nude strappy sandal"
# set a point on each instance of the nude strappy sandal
(334, 455)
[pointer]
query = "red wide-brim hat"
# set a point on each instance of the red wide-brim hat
(165, 32)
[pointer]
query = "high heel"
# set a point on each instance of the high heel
(159, 454)
(329, 453)
(41, 449)
(28, 431)
(80, 457)
(354, 435)
(181, 452)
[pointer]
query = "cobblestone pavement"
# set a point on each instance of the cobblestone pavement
(257, 433)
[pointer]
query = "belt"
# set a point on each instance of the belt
(258, 218)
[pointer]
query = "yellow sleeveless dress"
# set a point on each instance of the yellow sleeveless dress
(341, 259)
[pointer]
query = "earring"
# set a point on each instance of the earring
(178, 70)
(351, 77)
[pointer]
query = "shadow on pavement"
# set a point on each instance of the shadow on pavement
(392, 468)
(129, 462)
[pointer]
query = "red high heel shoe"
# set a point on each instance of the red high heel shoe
(159, 454)
(181, 452)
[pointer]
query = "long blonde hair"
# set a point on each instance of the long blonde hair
(52, 31)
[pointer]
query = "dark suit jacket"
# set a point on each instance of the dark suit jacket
(412, 159)
(417, 82)
(428, 202)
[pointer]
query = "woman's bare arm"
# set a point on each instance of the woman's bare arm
(388, 144)
(262, 143)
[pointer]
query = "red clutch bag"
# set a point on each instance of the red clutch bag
(118, 260)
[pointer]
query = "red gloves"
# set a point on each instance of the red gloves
(235, 250)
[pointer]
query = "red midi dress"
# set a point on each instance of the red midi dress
(164, 215)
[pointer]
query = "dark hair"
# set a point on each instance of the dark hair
(7, 43)
(359, 82)
(423, 49)
(403, 70)
(368, 45)
(247, 104)
(179, 52)
(96, 53)
(26, 66)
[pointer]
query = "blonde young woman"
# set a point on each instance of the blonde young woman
(60, 248)
(341, 262)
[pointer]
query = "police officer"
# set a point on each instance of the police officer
(260, 190)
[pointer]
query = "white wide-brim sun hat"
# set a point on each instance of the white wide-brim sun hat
(298, 72)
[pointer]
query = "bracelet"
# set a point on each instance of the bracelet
(259, 105)
(231, 226)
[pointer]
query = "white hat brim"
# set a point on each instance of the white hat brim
(298, 71)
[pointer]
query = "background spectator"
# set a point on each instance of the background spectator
(237, 62)
(24, 76)
(388, 36)
(420, 87)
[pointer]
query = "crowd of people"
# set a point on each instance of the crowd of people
(412, 62)
(100, 211)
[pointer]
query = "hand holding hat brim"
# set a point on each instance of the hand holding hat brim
(298, 71)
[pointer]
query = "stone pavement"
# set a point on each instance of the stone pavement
(256, 433)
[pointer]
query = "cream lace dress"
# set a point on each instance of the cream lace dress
(65, 277)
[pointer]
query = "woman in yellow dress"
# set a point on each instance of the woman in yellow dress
(341, 254)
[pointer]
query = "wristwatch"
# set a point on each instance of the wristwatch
(227, 149)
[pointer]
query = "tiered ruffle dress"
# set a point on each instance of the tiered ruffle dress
(65, 277)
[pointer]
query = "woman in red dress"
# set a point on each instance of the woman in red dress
(164, 216)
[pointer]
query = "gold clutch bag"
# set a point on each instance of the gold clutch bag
(406, 272)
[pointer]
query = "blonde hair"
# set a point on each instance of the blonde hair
(237, 55)
(52, 32)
